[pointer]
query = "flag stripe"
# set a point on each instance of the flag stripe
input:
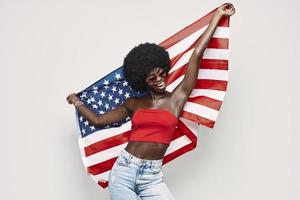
(214, 94)
(200, 110)
(199, 119)
(206, 101)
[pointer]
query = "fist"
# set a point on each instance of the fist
(72, 98)
(226, 9)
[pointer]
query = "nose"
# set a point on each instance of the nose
(159, 78)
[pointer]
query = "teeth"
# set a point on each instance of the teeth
(161, 85)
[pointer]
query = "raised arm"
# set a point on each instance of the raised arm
(115, 115)
(183, 90)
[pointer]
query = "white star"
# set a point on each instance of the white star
(95, 87)
(106, 82)
(101, 112)
(92, 128)
(126, 95)
(86, 123)
(88, 101)
(81, 118)
(125, 83)
(114, 89)
(120, 92)
(83, 131)
(92, 99)
(95, 106)
(95, 91)
(110, 97)
(118, 76)
(117, 100)
(102, 94)
(100, 103)
(106, 106)
(106, 87)
(83, 95)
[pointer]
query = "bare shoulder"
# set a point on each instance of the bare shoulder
(129, 103)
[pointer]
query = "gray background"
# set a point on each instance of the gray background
(50, 49)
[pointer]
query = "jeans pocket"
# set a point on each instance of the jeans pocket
(153, 170)
(121, 161)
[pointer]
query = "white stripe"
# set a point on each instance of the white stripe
(201, 110)
(104, 155)
(178, 143)
(179, 47)
(105, 133)
(214, 94)
(221, 32)
(101, 177)
(174, 84)
(182, 61)
(211, 74)
(209, 53)
(193, 126)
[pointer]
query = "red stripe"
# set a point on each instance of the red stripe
(103, 184)
(106, 143)
(206, 101)
(101, 167)
(198, 119)
(174, 75)
(218, 43)
(214, 64)
(211, 84)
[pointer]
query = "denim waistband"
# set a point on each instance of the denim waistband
(133, 159)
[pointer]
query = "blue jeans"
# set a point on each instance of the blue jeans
(131, 176)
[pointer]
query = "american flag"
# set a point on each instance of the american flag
(100, 146)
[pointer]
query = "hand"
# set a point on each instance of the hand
(226, 9)
(72, 98)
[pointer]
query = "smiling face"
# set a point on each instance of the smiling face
(156, 79)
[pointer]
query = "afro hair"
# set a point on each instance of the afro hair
(141, 60)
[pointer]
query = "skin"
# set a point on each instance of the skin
(159, 98)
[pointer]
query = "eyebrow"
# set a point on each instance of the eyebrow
(161, 70)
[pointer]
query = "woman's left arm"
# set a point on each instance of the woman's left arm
(182, 92)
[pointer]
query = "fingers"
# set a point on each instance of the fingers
(69, 98)
(229, 8)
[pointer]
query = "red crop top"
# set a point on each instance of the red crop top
(153, 125)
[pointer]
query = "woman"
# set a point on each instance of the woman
(137, 171)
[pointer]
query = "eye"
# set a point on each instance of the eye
(153, 78)
(163, 73)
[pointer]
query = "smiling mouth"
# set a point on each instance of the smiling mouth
(161, 85)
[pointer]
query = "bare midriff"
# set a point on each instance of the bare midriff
(147, 150)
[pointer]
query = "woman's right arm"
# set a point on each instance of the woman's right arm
(115, 115)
